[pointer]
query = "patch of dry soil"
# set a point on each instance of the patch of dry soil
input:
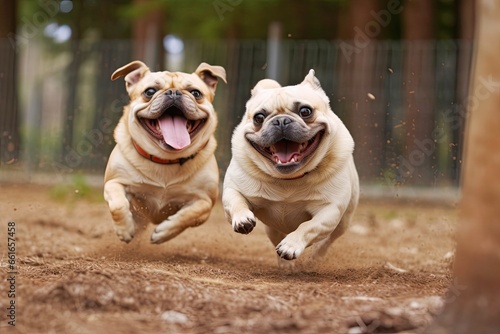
(389, 273)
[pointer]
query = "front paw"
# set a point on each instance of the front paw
(291, 247)
(244, 223)
(125, 229)
(123, 222)
(119, 207)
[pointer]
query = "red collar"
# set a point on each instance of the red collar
(152, 158)
(297, 177)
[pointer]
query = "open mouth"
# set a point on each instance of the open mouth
(287, 153)
(173, 128)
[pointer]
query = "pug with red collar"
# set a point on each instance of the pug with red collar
(163, 169)
(292, 169)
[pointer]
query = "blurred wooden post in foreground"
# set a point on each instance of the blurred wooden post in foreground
(476, 308)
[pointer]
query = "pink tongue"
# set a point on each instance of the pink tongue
(286, 149)
(174, 131)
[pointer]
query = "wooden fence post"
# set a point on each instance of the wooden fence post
(472, 305)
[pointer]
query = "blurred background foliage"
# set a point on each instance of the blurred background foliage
(240, 19)
(395, 71)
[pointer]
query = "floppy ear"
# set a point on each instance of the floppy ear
(265, 84)
(211, 74)
(133, 72)
(310, 79)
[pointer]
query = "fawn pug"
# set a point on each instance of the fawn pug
(292, 168)
(163, 169)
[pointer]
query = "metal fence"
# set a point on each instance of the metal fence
(68, 106)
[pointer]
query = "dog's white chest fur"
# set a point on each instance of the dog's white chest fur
(284, 217)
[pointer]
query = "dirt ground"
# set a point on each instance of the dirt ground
(389, 273)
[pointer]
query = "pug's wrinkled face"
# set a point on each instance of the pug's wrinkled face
(287, 126)
(171, 110)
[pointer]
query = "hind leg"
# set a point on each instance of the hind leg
(190, 215)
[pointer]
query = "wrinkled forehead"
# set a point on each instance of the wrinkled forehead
(289, 98)
(165, 80)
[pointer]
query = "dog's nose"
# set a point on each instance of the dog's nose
(281, 122)
(173, 93)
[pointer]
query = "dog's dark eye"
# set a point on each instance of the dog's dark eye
(197, 94)
(148, 93)
(259, 118)
(305, 112)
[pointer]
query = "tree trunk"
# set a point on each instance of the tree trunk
(9, 129)
(476, 306)
(148, 37)
(366, 115)
(419, 150)
(466, 9)
(73, 77)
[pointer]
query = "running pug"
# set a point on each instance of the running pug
(292, 169)
(163, 169)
